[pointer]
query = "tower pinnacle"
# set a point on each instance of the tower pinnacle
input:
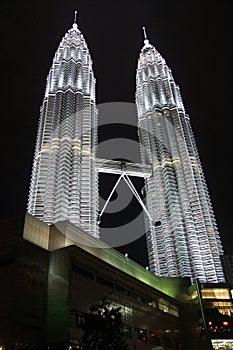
(75, 26)
(75, 16)
(144, 32)
(147, 44)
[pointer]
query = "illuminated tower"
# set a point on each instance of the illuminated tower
(182, 237)
(64, 182)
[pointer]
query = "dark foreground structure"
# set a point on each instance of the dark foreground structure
(50, 275)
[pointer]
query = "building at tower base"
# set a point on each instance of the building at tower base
(46, 291)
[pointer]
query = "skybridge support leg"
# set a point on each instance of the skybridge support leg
(133, 190)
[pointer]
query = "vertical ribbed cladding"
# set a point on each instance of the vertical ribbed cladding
(64, 183)
(182, 239)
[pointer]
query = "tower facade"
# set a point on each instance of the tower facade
(64, 182)
(182, 235)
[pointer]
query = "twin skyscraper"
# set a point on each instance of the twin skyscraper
(181, 231)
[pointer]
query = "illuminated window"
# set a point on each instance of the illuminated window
(215, 293)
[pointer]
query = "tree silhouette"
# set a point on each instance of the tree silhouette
(102, 328)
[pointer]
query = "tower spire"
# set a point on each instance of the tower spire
(75, 26)
(144, 32)
(75, 16)
(146, 41)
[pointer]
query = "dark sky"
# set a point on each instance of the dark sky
(195, 38)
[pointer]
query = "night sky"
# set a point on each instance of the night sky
(195, 38)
